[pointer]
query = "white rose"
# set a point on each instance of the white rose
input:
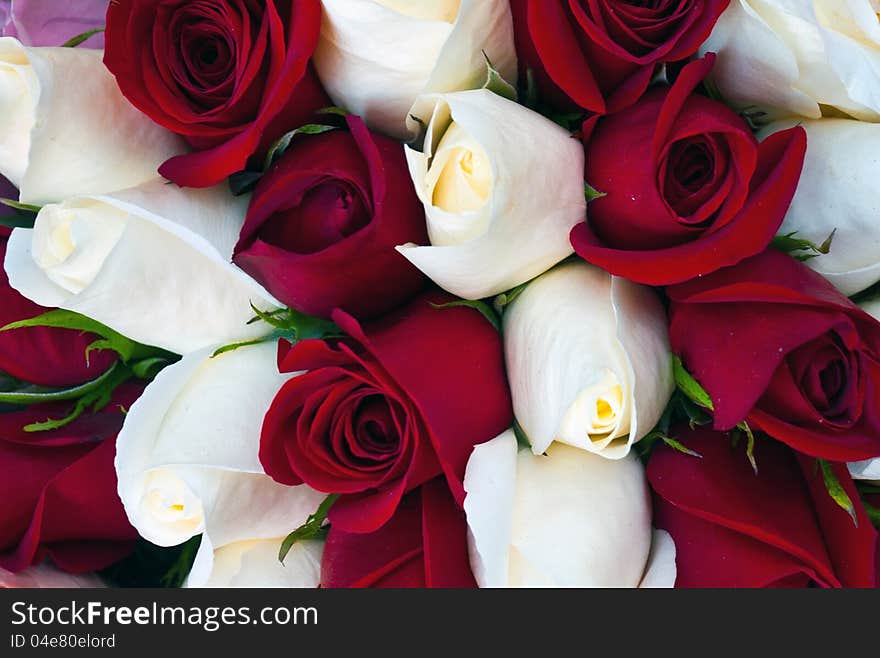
(375, 57)
(187, 462)
(792, 57)
(152, 262)
(838, 190)
(564, 519)
(502, 188)
(67, 129)
(254, 563)
(588, 360)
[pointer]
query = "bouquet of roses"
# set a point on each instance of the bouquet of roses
(440, 293)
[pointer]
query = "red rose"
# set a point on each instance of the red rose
(423, 545)
(733, 528)
(42, 355)
(398, 403)
(600, 55)
(59, 489)
(323, 223)
(688, 189)
(773, 342)
(230, 76)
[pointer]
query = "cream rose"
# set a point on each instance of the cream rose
(588, 360)
(502, 188)
(838, 190)
(67, 130)
(152, 262)
(564, 519)
(793, 58)
(375, 57)
(188, 463)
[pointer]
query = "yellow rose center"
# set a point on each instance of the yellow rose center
(462, 171)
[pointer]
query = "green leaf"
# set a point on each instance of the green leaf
(126, 348)
(22, 393)
(676, 445)
(24, 207)
(478, 305)
(690, 386)
(176, 575)
(243, 182)
(789, 244)
(283, 143)
(80, 38)
(313, 528)
(97, 399)
(591, 193)
(505, 299)
(836, 491)
(496, 83)
(150, 367)
(334, 110)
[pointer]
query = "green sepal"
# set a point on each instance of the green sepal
(22, 393)
(505, 299)
(591, 193)
(313, 528)
(496, 83)
(23, 207)
(836, 491)
(334, 110)
(288, 324)
(283, 143)
(243, 182)
(478, 305)
(18, 220)
(791, 245)
(750, 444)
(126, 348)
(176, 575)
(690, 386)
(96, 399)
(80, 38)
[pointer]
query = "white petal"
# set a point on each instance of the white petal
(588, 360)
(151, 262)
(490, 483)
(868, 469)
(375, 61)
(72, 132)
(187, 457)
(537, 194)
(661, 570)
(253, 564)
(579, 520)
(838, 190)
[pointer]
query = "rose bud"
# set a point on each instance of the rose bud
(323, 223)
(588, 360)
(123, 259)
(176, 480)
(56, 105)
(423, 545)
(777, 528)
(839, 198)
(601, 55)
(59, 488)
(688, 189)
(53, 23)
(496, 218)
(376, 56)
(775, 344)
(563, 519)
(784, 58)
(229, 76)
(366, 422)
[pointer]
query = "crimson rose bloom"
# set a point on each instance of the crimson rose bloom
(59, 488)
(601, 54)
(401, 401)
(423, 545)
(688, 189)
(230, 76)
(778, 528)
(773, 342)
(323, 223)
